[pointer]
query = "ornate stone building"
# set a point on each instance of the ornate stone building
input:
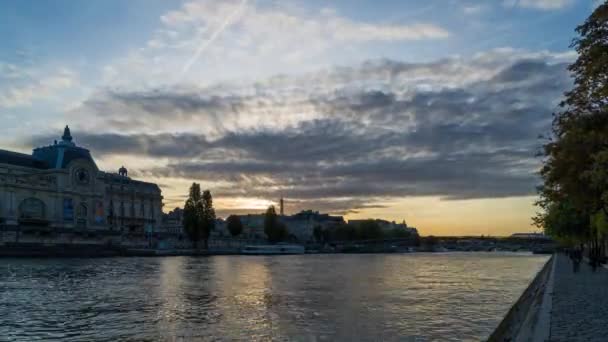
(59, 193)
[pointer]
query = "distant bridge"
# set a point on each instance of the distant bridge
(452, 243)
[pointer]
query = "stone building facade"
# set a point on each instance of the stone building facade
(388, 226)
(300, 226)
(58, 193)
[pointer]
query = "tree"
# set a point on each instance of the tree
(317, 232)
(235, 226)
(574, 171)
(564, 222)
(430, 241)
(270, 221)
(193, 214)
(399, 232)
(416, 240)
(326, 235)
(344, 232)
(275, 230)
(208, 217)
(576, 156)
(369, 230)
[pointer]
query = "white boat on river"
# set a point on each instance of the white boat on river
(277, 249)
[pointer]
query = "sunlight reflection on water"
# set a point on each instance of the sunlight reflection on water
(451, 296)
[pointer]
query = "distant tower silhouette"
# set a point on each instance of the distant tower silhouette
(67, 136)
(282, 207)
(122, 171)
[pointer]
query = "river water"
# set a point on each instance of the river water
(374, 297)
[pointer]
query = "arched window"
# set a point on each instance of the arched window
(82, 210)
(32, 208)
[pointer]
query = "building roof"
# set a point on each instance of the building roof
(56, 156)
(118, 179)
(20, 159)
(59, 156)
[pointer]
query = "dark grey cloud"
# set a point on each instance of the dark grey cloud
(157, 145)
(162, 102)
(487, 175)
(522, 71)
(369, 133)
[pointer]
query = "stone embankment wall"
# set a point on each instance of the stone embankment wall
(521, 322)
(47, 242)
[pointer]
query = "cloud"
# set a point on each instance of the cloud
(253, 38)
(208, 41)
(376, 93)
(472, 9)
(20, 86)
(350, 136)
(157, 145)
(538, 4)
(261, 20)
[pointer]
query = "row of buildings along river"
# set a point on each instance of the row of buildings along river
(57, 196)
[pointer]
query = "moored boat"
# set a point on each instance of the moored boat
(277, 249)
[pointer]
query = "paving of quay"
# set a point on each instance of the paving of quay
(580, 303)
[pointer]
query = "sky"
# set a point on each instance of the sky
(424, 111)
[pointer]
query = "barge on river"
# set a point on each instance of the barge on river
(277, 249)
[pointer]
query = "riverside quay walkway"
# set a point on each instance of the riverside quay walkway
(559, 305)
(579, 310)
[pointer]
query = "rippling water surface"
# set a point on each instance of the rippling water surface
(411, 297)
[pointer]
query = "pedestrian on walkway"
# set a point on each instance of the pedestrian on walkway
(576, 255)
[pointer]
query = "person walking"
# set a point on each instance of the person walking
(593, 259)
(576, 255)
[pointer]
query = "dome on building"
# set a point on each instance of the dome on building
(58, 156)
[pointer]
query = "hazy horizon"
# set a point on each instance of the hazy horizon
(425, 112)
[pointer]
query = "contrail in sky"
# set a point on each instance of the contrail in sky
(212, 38)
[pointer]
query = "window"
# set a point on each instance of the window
(82, 210)
(32, 208)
